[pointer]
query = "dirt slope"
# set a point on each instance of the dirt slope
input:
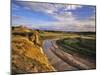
(27, 56)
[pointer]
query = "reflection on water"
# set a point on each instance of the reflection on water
(47, 44)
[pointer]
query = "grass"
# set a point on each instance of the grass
(54, 35)
(80, 45)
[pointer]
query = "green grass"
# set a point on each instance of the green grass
(80, 45)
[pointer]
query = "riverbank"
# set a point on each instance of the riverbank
(64, 61)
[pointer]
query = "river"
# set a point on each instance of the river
(55, 61)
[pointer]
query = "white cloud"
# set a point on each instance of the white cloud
(73, 24)
(73, 7)
(66, 19)
(54, 9)
(49, 7)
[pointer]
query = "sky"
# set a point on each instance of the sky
(53, 16)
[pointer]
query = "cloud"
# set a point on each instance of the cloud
(58, 11)
(17, 17)
(15, 6)
(73, 7)
(72, 25)
(49, 7)
(66, 20)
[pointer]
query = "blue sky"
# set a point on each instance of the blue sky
(51, 16)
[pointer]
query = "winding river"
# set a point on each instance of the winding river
(55, 61)
(62, 61)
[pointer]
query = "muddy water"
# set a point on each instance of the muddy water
(55, 61)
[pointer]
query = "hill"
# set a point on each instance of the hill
(27, 52)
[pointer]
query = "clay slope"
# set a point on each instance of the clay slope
(28, 57)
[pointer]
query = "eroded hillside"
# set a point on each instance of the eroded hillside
(27, 53)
